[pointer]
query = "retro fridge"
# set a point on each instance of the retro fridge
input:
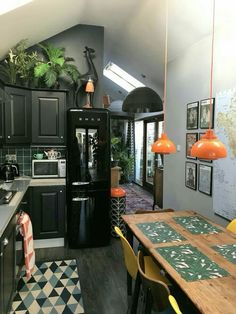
(88, 177)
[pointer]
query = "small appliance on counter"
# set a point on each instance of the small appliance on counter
(8, 172)
(6, 196)
(49, 168)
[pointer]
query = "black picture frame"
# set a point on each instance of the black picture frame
(203, 160)
(205, 179)
(205, 113)
(192, 115)
(191, 139)
(191, 175)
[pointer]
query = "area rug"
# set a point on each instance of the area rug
(54, 288)
(137, 198)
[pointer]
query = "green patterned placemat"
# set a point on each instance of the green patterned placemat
(190, 263)
(228, 251)
(160, 232)
(196, 225)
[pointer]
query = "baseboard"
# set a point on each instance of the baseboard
(46, 243)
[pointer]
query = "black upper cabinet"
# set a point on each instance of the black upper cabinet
(17, 115)
(48, 117)
(1, 113)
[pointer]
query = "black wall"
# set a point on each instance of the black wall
(74, 40)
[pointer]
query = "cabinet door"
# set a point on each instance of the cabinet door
(1, 114)
(17, 116)
(48, 211)
(48, 115)
(7, 263)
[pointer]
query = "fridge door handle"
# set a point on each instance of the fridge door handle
(80, 183)
(80, 199)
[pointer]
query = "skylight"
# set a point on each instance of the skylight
(9, 5)
(120, 77)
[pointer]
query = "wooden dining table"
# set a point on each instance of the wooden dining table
(196, 253)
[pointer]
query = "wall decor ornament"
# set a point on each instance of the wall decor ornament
(192, 115)
(205, 115)
(205, 179)
(191, 139)
(191, 175)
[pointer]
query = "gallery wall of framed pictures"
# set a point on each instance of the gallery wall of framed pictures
(198, 175)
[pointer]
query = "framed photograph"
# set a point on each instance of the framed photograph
(205, 113)
(191, 175)
(192, 115)
(191, 139)
(205, 179)
(203, 160)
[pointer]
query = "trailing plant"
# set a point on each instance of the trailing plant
(54, 65)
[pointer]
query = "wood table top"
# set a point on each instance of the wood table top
(215, 295)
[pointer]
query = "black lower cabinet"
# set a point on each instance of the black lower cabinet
(47, 208)
(7, 267)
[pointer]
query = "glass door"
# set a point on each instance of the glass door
(150, 157)
(138, 152)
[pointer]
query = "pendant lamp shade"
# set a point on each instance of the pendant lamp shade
(209, 147)
(142, 99)
(163, 145)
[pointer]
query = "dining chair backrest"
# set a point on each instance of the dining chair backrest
(142, 211)
(129, 255)
(232, 226)
(157, 291)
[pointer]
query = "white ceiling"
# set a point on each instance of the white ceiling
(134, 29)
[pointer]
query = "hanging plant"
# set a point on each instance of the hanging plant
(54, 65)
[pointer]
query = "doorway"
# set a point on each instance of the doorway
(146, 133)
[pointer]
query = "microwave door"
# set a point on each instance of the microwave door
(45, 169)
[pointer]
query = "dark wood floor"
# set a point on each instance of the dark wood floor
(102, 276)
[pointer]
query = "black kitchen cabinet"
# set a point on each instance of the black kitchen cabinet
(7, 266)
(17, 115)
(48, 117)
(1, 113)
(48, 211)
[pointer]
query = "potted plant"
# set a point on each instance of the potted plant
(55, 65)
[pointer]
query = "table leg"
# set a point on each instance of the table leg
(129, 237)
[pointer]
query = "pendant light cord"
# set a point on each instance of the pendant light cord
(165, 63)
(212, 64)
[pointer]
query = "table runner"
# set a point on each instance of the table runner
(190, 263)
(196, 225)
(160, 232)
(228, 251)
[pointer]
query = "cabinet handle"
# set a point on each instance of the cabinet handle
(8, 136)
(24, 203)
(61, 136)
(79, 199)
(5, 242)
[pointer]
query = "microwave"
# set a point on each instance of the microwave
(48, 168)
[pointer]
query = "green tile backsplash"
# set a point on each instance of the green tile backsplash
(24, 156)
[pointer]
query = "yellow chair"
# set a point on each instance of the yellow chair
(232, 226)
(131, 261)
(158, 297)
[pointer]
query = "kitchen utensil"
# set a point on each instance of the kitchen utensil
(52, 154)
(38, 156)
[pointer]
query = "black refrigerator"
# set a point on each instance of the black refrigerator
(88, 177)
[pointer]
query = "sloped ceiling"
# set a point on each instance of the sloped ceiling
(134, 30)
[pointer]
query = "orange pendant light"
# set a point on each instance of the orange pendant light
(209, 147)
(89, 86)
(164, 145)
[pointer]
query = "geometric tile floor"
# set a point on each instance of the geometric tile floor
(53, 288)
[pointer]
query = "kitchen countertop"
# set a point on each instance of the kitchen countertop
(21, 185)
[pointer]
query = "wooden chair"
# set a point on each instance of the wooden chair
(157, 293)
(232, 226)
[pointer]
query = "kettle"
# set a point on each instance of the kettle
(52, 154)
(7, 172)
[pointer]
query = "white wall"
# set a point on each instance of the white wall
(188, 81)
